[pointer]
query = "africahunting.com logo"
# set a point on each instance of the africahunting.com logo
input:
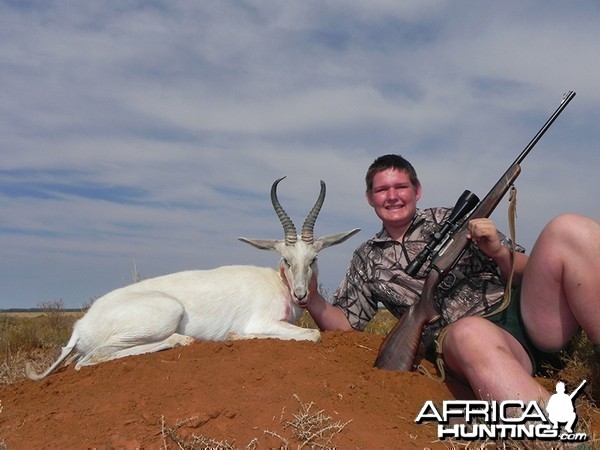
(513, 419)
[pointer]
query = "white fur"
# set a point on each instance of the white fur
(239, 302)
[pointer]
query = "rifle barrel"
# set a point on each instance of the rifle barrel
(563, 104)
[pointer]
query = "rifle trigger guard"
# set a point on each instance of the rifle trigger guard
(448, 282)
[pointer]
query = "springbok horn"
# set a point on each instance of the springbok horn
(288, 226)
(309, 224)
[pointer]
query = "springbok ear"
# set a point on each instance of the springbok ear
(334, 239)
(262, 244)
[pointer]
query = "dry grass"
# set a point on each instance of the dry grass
(33, 337)
(313, 428)
(308, 427)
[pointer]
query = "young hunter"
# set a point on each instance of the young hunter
(556, 287)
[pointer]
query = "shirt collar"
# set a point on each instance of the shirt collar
(383, 235)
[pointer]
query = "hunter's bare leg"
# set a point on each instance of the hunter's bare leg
(560, 292)
(561, 284)
(490, 361)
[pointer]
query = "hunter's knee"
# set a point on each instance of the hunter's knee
(463, 338)
(573, 225)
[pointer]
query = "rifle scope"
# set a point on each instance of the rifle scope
(465, 204)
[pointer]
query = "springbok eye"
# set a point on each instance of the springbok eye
(286, 262)
(313, 261)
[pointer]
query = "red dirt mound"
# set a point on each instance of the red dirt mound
(240, 393)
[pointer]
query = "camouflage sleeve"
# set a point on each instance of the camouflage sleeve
(353, 296)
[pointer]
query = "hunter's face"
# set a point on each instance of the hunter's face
(394, 198)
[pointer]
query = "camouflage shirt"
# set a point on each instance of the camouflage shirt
(376, 275)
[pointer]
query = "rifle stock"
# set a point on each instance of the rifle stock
(399, 349)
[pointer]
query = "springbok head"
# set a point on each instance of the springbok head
(298, 252)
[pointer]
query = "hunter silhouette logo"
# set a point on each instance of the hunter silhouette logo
(560, 407)
(512, 419)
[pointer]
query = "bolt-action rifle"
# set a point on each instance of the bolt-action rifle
(399, 349)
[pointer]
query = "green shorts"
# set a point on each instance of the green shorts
(510, 319)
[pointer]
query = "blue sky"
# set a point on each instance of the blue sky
(149, 133)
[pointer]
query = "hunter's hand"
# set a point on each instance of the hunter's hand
(484, 233)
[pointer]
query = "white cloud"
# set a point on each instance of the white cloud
(153, 131)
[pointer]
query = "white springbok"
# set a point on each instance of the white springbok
(235, 302)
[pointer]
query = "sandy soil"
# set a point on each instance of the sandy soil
(241, 392)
